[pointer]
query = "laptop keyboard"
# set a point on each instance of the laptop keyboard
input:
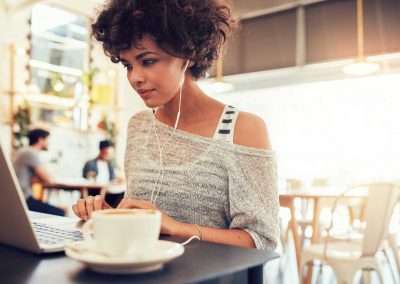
(50, 235)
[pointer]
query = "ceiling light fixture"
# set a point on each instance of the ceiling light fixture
(361, 66)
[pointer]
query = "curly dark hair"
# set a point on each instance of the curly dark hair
(189, 29)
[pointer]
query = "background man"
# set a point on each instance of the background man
(29, 168)
(100, 168)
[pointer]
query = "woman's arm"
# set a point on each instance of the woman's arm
(174, 228)
(253, 194)
(235, 237)
(85, 207)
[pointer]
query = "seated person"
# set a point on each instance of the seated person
(100, 168)
(208, 167)
(28, 167)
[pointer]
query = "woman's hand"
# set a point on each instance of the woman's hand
(168, 224)
(85, 206)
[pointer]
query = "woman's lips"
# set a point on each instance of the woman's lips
(145, 94)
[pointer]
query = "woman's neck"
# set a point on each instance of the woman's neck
(192, 104)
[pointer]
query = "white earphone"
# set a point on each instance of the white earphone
(157, 187)
(178, 115)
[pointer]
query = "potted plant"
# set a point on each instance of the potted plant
(109, 127)
(22, 122)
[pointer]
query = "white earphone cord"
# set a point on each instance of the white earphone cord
(156, 190)
(159, 183)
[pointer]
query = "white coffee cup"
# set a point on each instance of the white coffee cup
(121, 232)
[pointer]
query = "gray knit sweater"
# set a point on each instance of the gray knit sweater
(203, 181)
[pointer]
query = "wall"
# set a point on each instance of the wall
(5, 138)
(271, 41)
(346, 130)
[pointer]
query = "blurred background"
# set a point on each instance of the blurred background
(285, 63)
(323, 74)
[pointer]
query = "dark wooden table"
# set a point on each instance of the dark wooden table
(202, 262)
(81, 185)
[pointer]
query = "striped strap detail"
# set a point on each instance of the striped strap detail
(226, 126)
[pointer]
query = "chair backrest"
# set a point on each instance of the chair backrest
(320, 182)
(381, 200)
(294, 184)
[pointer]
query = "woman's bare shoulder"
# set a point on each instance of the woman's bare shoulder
(251, 131)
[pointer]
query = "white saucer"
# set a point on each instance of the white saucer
(84, 252)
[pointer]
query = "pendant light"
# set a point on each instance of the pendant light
(361, 66)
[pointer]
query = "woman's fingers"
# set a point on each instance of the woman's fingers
(135, 203)
(106, 205)
(89, 202)
(74, 208)
(124, 203)
(98, 202)
(81, 209)
(85, 207)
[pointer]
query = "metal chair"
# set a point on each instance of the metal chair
(346, 258)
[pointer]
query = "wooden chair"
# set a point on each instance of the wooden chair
(292, 228)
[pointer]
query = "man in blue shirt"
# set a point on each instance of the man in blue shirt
(100, 168)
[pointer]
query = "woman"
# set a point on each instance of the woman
(207, 167)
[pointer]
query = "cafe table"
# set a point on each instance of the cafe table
(202, 262)
(80, 184)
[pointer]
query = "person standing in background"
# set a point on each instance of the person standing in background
(29, 168)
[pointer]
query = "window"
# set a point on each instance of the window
(60, 50)
(59, 58)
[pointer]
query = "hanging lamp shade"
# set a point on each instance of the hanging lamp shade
(361, 66)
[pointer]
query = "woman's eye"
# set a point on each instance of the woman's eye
(148, 62)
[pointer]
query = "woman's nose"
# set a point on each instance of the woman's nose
(136, 77)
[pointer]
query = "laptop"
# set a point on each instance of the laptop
(27, 230)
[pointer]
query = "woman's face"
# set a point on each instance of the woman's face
(154, 74)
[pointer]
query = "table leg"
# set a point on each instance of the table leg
(309, 275)
(288, 202)
(315, 236)
(256, 274)
(295, 233)
(315, 221)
